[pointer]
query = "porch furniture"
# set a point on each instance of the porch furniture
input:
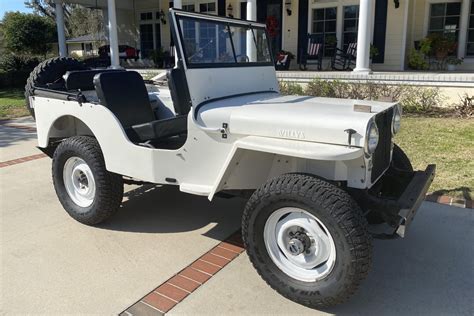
(344, 60)
(168, 61)
(125, 52)
(313, 52)
(283, 60)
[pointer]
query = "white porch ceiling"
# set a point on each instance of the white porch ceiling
(120, 4)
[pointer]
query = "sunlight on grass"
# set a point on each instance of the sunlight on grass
(12, 103)
(447, 142)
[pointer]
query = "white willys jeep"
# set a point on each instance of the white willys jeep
(316, 170)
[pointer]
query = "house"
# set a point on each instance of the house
(86, 45)
(392, 26)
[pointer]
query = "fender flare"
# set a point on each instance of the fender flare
(285, 147)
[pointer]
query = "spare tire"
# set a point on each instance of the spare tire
(49, 72)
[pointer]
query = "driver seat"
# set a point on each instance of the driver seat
(124, 94)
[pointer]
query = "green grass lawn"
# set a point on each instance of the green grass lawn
(447, 142)
(12, 103)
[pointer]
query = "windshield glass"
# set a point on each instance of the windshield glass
(210, 43)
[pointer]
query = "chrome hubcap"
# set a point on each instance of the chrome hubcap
(79, 181)
(299, 244)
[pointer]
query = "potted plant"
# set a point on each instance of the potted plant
(441, 46)
(452, 62)
(374, 52)
(283, 60)
(158, 57)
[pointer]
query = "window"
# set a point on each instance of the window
(470, 33)
(189, 7)
(221, 43)
(207, 7)
(351, 22)
(146, 16)
(444, 18)
(324, 23)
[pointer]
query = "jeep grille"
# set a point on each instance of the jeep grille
(381, 156)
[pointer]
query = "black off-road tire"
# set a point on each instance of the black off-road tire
(400, 160)
(342, 217)
(109, 186)
(50, 71)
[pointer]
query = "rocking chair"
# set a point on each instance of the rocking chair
(313, 52)
(344, 60)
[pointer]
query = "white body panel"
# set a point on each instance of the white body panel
(203, 82)
(206, 161)
(322, 120)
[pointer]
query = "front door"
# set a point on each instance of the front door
(146, 39)
(270, 13)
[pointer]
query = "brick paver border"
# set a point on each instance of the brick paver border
(7, 163)
(18, 126)
(166, 296)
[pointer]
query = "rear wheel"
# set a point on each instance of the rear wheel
(50, 72)
(87, 191)
(307, 239)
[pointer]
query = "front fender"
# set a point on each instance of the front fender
(283, 147)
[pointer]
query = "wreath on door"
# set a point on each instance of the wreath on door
(272, 26)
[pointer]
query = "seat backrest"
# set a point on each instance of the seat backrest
(125, 94)
(179, 90)
(352, 49)
(83, 79)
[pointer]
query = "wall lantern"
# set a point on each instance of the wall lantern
(288, 6)
(230, 11)
(162, 16)
(397, 3)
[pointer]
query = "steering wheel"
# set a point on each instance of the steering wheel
(242, 58)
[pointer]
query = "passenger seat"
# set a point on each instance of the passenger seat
(125, 94)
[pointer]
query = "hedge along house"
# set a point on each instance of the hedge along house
(392, 26)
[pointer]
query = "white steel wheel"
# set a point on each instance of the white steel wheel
(79, 182)
(299, 244)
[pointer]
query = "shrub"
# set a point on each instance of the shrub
(416, 60)
(465, 107)
(15, 69)
(11, 62)
(414, 99)
(290, 88)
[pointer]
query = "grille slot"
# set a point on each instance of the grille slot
(381, 156)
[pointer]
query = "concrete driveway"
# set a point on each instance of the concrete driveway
(54, 265)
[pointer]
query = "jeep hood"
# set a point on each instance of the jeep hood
(314, 119)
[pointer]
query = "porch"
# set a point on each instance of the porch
(392, 26)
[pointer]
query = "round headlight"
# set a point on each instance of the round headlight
(372, 137)
(397, 117)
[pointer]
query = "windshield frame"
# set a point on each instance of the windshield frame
(228, 23)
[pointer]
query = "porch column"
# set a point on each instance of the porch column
(178, 4)
(60, 27)
(113, 36)
(252, 16)
(363, 37)
(463, 28)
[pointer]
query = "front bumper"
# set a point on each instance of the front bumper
(397, 197)
(411, 199)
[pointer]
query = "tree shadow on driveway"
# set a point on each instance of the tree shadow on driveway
(164, 209)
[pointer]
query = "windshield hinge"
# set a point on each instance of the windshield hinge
(225, 130)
